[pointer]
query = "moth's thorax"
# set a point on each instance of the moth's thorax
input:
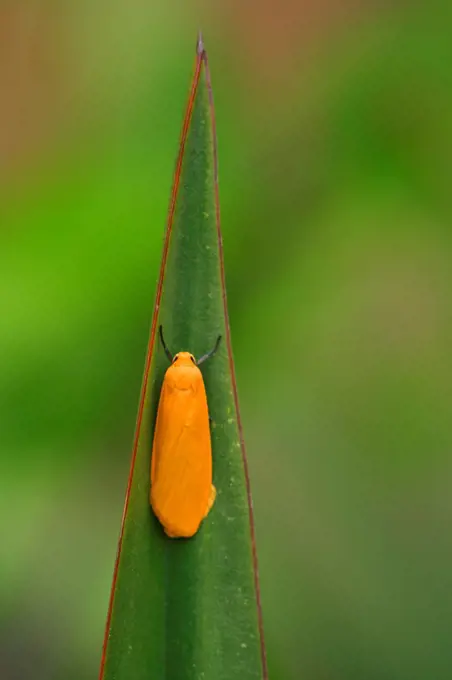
(183, 374)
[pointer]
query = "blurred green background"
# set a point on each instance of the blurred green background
(335, 145)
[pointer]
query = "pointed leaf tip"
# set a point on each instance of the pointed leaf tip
(200, 44)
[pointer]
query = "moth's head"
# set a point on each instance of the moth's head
(184, 359)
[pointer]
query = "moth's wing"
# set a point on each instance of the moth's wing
(182, 460)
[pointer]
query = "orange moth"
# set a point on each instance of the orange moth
(182, 492)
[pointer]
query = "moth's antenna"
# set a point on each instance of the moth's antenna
(167, 352)
(209, 354)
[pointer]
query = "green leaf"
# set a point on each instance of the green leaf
(189, 609)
